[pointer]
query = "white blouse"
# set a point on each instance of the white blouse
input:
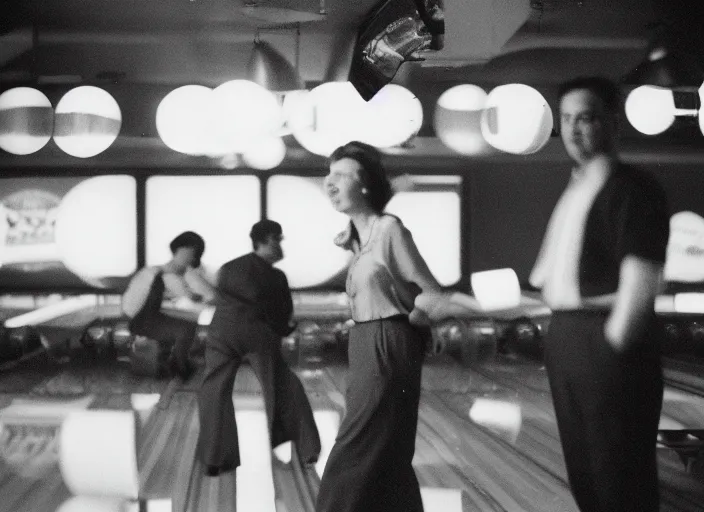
(386, 272)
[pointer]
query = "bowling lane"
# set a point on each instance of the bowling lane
(502, 468)
(29, 454)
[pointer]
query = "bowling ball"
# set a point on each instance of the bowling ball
(122, 338)
(149, 357)
(10, 348)
(524, 336)
(18, 342)
(480, 345)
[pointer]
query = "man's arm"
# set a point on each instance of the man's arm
(638, 285)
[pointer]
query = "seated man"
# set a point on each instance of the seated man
(142, 301)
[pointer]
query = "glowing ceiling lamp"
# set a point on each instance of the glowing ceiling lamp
(330, 116)
(457, 119)
(26, 120)
(265, 153)
(243, 112)
(182, 119)
(516, 119)
(650, 109)
(87, 121)
(395, 115)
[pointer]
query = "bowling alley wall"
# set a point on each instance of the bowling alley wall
(85, 222)
(466, 215)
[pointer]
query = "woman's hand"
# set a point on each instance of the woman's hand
(437, 306)
(419, 317)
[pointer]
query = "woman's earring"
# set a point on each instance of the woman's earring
(364, 191)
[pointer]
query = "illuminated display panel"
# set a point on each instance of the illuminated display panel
(431, 211)
(221, 209)
(309, 226)
(67, 233)
(428, 205)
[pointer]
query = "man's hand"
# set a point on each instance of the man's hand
(638, 285)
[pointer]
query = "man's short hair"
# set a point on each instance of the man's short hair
(189, 239)
(603, 88)
(262, 230)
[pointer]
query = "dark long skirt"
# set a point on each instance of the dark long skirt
(608, 409)
(289, 413)
(369, 468)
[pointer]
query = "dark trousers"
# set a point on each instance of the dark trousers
(369, 468)
(289, 413)
(608, 409)
(161, 327)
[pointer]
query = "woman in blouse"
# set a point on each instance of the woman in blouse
(369, 468)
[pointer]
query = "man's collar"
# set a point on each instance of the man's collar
(597, 169)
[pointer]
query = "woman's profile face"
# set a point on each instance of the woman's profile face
(343, 186)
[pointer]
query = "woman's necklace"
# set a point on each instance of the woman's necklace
(369, 236)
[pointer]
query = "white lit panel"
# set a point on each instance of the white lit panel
(433, 217)
(221, 209)
(309, 225)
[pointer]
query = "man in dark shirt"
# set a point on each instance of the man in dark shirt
(253, 311)
(599, 269)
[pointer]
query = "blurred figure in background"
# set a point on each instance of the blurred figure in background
(599, 269)
(253, 312)
(142, 301)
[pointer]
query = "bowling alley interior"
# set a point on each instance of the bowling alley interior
(126, 122)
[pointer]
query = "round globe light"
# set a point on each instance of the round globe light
(290, 100)
(457, 120)
(516, 119)
(395, 116)
(182, 119)
(243, 112)
(650, 110)
(26, 120)
(309, 224)
(96, 228)
(329, 116)
(87, 121)
(265, 153)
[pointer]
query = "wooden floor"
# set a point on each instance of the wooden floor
(495, 472)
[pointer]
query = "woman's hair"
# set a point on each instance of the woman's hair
(371, 174)
(189, 239)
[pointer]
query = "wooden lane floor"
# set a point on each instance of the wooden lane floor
(496, 471)
(166, 441)
(30, 479)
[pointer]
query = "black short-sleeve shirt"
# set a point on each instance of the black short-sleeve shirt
(630, 216)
